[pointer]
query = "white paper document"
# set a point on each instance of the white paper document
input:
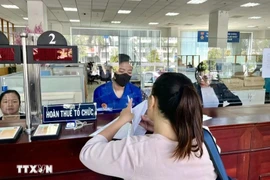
(266, 63)
(129, 129)
(205, 117)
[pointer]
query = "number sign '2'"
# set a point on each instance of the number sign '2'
(52, 48)
(51, 38)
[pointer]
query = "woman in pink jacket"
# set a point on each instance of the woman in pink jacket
(174, 151)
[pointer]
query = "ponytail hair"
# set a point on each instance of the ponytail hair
(179, 102)
(188, 124)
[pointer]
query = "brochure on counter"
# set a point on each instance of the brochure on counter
(47, 131)
(10, 134)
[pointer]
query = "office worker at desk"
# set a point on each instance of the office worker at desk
(115, 93)
(174, 151)
(214, 93)
(10, 102)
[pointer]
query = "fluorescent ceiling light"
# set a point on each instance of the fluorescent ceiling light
(74, 20)
(268, 27)
(171, 14)
(25, 18)
(196, 1)
(250, 4)
(19, 26)
(153, 23)
(69, 9)
(115, 22)
(10, 6)
(255, 17)
(124, 11)
(251, 26)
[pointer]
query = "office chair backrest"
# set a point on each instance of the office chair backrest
(105, 76)
(215, 157)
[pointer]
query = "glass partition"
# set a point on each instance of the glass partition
(59, 85)
(235, 68)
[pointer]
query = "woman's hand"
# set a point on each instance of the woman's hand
(126, 114)
(147, 123)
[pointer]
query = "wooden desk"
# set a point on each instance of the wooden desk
(243, 133)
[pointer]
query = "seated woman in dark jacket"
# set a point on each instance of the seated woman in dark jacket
(214, 93)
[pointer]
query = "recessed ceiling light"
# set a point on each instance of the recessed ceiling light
(250, 4)
(124, 11)
(74, 20)
(115, 22)
(255, 17)
(196, 1)
(25, 18)
(153, 23)
(10, 6)
(171, 14)
(70, 9)
(251, 26)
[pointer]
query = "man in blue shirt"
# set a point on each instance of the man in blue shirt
(115, 93)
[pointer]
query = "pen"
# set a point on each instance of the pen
(130, 128)
(129, 99)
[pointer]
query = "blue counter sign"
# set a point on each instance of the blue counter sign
(233, 37)
(56, 113)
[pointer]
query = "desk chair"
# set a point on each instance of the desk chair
(144, 95)
(105, 76)
(91, 78)
(215, 156)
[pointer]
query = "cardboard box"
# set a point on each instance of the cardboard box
(253, 81)
(233, 83)
(3, 71)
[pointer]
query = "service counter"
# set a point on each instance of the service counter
(243, 134)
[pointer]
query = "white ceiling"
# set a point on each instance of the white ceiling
(99, 13)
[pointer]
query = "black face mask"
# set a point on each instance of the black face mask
(121, 79)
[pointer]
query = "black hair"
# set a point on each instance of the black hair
(200, 68)
(123, 58)
(179, 102)
(9, 92)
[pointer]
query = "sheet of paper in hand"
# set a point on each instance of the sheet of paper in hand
(129, 129)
